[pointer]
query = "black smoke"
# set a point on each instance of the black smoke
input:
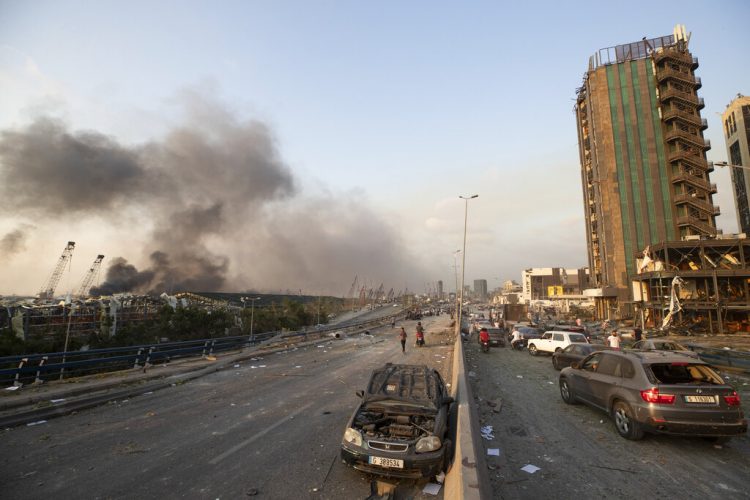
(14, 241)
(221, 208)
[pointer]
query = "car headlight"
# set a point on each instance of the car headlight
(353, 436)
(429, 443)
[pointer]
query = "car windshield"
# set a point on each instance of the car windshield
(577, 337)
(684, 373)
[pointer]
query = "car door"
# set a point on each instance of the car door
(581, 379)
(606, 380)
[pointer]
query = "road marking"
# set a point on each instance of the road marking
(262, 433)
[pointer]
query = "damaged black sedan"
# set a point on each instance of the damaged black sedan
(400, 428)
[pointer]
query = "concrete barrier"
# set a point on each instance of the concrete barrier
(466, 478)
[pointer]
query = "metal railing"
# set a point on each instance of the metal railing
(723, 358)
(36, 368)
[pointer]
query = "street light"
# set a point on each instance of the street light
(252, 312)
(455, 268)
(725, 164)
(463, 257)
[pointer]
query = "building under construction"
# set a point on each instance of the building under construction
(701, 285)
(644, 172)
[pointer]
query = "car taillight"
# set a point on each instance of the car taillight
(733, 399)
(652, 396)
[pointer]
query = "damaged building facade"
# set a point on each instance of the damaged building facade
(644, 171)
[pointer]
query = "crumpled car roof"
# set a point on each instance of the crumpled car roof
(408, 383)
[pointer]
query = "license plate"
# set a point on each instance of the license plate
(700, 399)
(393, 463)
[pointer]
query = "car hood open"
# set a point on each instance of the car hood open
(407, 384)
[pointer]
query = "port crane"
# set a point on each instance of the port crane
(90, 276)
(48, 290)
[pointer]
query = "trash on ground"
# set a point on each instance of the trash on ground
(550, 382)
(38, 422)
(211, 358)
(55, 401)
(298, 366)
(237, 365)
(472, 374)
(530, 468)
(493, 452)
(147, 393)
(519, 376)
(440, 478)
(13, 388)
(431, 489)
(487, 432)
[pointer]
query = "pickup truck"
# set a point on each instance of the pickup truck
(554, 341)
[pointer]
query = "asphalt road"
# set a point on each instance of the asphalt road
(268, 428)
(577, 450)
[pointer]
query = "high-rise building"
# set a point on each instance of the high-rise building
(643, 156)
(480, 289)
(440, 289)
(736, 119)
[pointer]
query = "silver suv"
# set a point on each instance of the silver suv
(655, 391)
(554, 341)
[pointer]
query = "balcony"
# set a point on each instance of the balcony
(686, 97)
(669, 73)
(694, 158)
(698, 203)
(675, 55)
(701, 225)
(672, 113)
(695, 140)
(697, 182)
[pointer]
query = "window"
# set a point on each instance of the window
(628, 370)
(558, 337)
(577, 337)
(684, 373)
(609, 365)
(592, 362)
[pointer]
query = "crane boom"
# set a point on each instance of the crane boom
(48, 290)
(90, 276)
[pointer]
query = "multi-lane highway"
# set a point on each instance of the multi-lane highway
(269, 427)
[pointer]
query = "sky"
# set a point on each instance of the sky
(294, 145)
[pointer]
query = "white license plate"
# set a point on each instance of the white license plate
(700, 399)
(393, 463)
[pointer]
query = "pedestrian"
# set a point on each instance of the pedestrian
(614, 340)
(393, 323)
(402, 336)
(637, 334)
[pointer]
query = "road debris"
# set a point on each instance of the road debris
(55, 401)
(13, 388)
(487, 432)
(38, 422)
(493, 452)
(431, 489)
(530, 468)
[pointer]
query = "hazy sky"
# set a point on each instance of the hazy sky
(293, 145)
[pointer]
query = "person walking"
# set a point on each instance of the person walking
(402, 336)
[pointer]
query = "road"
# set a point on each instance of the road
(268, 428)
(577, 449)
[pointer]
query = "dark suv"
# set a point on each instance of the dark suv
(660, 392)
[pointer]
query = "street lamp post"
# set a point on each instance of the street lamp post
(455, 269)
(463, 259)
(252, 313)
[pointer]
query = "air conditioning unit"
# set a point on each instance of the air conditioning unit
(691, 237)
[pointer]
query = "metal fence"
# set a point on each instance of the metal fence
(36, 368)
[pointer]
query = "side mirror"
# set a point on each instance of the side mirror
(575, 366)
(360, 394)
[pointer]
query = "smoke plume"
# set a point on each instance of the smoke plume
(221, 208)
(15, 241)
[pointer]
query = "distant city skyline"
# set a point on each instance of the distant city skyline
(287, 145)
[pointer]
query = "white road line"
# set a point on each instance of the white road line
(262, 433)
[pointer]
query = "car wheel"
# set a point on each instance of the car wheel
(626, 426)
(567, 392)
(532, 350)
(555, 364)
(558, 350)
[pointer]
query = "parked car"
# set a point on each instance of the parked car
(663, 345)
(655, 391)
(554, 341)
(574, 353)
(400, 428)
(497, 337)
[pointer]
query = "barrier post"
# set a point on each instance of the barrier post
(137, 358)
(17, 382)
(38, 378)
